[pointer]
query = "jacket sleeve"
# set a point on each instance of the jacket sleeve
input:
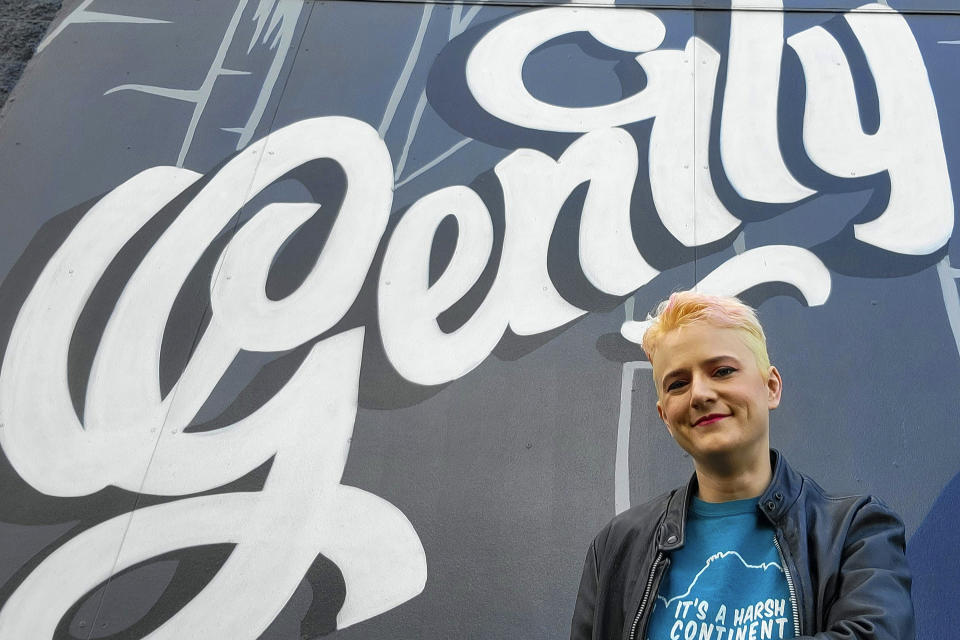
(873, 585)
(583, 613)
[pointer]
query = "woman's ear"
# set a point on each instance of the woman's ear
(774, 388)
(664, 418)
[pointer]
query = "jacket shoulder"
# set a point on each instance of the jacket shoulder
(638, 520)
(814, 492)
(847, 510)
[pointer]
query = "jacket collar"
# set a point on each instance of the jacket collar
(783, 491)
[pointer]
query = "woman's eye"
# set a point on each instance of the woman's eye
(724, 371)
(676, 384)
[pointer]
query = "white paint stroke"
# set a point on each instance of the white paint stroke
(749, 143)
(283, 24)
(302, 511)
(522, 296)
(270, 18)
(495, 67)
(80, 15)
(455, 14)
(535, 186)
(457, 25)
(401, 86)
(607, 250)
(411, 133)
(628, 307)
(908, 146)
(201, 95)
(951, 296)
(124, 408)
(408, 305)
(305, 427)
(239, 295)
(948, 41)
(44, 441)
(771, 263)
(680, 179)
(621, 467)
(273, 17)
(430, 165)
(740, 243)
(795, 266)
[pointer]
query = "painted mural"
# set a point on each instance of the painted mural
(325, 321)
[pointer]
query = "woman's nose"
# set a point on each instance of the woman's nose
(701, 390)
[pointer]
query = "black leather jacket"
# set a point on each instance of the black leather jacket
(844, 560)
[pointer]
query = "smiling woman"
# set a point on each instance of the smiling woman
(715, 390)
(716, 404)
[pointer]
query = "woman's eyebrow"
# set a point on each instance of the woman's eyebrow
(673, 374)
(717, 359)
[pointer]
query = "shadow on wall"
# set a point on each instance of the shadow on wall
(935, 562)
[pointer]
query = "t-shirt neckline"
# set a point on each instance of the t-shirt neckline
(721, 509)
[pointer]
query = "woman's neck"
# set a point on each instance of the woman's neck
(724, 482)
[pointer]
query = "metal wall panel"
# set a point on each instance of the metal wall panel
(321, 318)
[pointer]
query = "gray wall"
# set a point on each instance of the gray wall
(321, 317)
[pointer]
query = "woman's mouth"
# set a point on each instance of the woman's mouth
(710, 419)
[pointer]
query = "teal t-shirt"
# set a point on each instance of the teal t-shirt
(726, 582)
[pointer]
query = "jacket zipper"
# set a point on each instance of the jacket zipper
(790, 587)
(646, 594)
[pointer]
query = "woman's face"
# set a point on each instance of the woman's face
(711, 394)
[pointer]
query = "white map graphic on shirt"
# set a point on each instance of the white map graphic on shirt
(717, 556)
(703, 615)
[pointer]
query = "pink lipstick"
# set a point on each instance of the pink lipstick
(709, 419)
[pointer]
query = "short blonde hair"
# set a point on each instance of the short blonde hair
(687, 307)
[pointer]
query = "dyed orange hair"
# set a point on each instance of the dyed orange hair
(687, 307)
